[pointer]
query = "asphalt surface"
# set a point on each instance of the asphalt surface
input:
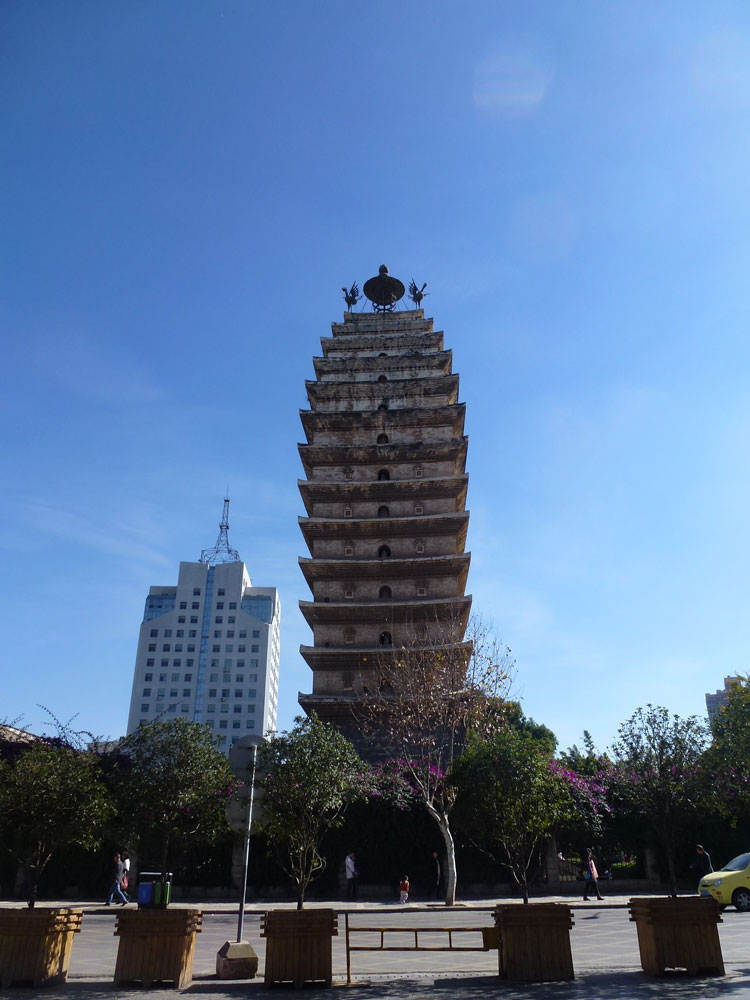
(603, 942)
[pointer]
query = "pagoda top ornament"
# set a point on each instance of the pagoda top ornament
(383, 290)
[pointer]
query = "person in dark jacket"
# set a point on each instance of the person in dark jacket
(118, 871)
(590, 876)
(702, 864)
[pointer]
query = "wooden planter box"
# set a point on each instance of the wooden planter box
(299, 946)
(156, 945)
(534, 942)
(35, 945)
(678, 933)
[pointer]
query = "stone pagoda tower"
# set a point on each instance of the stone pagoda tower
(385, 495)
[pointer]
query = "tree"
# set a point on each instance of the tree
(659, 773)
(175, 784)
(729, 756)
(510, 798)
(421, 703)
(51, 797)
(309, 776)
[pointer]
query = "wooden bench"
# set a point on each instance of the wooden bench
(679, 933)
(35, 945)
(156, 945)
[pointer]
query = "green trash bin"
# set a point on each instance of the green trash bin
(151, 892)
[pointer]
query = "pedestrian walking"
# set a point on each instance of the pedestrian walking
(436, 874)
(114, 890)
(702, 864)
(590, 876)
(352, 876)
(403, 889)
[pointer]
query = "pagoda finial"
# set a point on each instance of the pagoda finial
(221, 553)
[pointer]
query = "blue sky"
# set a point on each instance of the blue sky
(187, 186)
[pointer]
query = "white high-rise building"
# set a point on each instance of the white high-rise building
(209, 648)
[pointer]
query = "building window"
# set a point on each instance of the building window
(254, 649)
(165, 663)
(152, 647)
(148, 677)
(144, 708)
(161, 692)
(348, 473)
(219, 605)
(418, 471)
(250, 724)
(236, 724)
(186, 692)
(165, 647)
(238, 694)
(213, 678)
(384, 511)
(192, 634)
(184, 707)
(181, 620)
(217, 633)
(253, 663)
(188, 677)
(383, 474)
(231, 619)
(196, 591)
(233, 605)
(220, 592)
(240, 664)
(251, 709)
(222, 724)
(385, 639)
(212, 692)
(382, 378)
(211, 709)
(251, 693)
(382, 439)
(253, 677)
(236, 709)
(146, 693)
(230, 633)
(384, 552)
(349, 593)
(225, 692)
(228, 647)
(349, 636)
(239, 678)
(421, 591)
(183, 605)
(193, 621)
(177, 662)
(241, 649)
(243, 633)
(224, 708)
(383, 406)
(256, 633)
(219, 620)
(149, 663)
(195, 605)
(419, 546)
(418, 508)
(348, 550)
(189, 662)
(385, 593)
(216, 649)
(173, 692)
(154, 632)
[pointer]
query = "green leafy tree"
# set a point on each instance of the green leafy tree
(51, 797)
(308, 777)
(510, 799)
(729, 755)
(659, 774)
(174, 783)
(421, 703)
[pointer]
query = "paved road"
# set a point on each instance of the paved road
(604, 944)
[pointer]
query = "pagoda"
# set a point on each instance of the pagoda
(385, 496)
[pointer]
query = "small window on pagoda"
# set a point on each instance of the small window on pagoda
(383, 405)
(385, 593)
(347, 512)
(418, 508)
(383, 474)
(385, 639)
(348, 473)
(347, 680)
(349, 550)
(419, 546)
(384, 552)
(421, 591)
(349, 636)
(384, 511)
(349, 593)
(382, 378)
(422, 630)
(382, 439)
(382, 354)
(417, 471)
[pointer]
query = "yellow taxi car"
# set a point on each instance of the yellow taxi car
(729, 885)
